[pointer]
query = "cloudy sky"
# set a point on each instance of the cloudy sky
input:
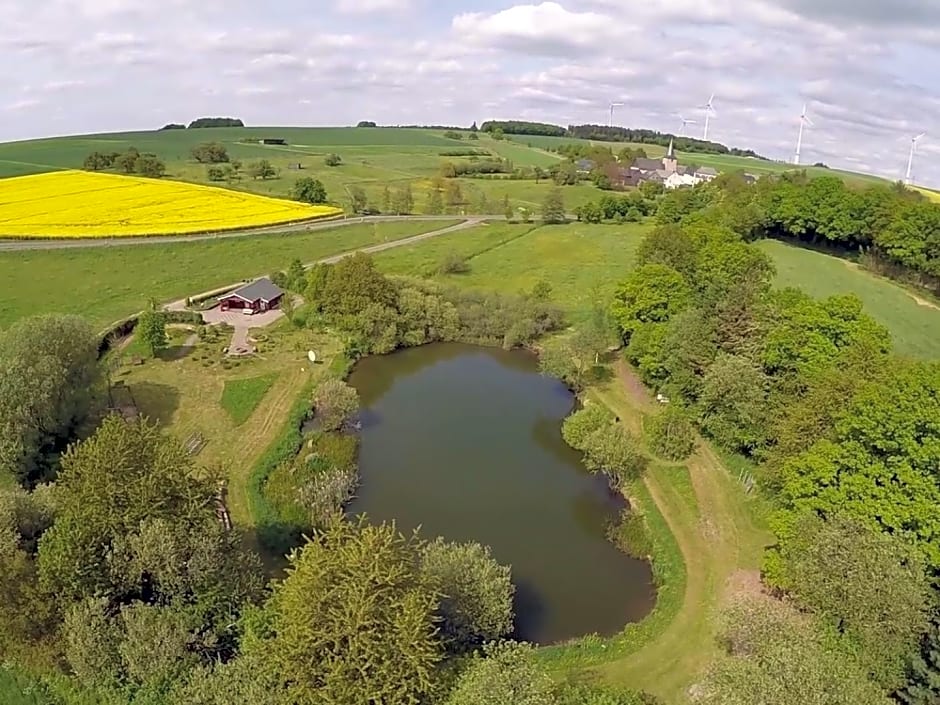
(866, 68)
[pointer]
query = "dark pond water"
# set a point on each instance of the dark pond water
(466, 443)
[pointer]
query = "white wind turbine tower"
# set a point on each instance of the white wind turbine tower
(709, 114)
(804, 121)
(910, 160)
(610, 120)
(685, 122)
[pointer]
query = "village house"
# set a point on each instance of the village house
(260, 295)
(667, 171)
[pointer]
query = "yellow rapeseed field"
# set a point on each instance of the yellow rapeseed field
(932, 195)
(85, 204)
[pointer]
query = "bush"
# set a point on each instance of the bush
(581, 424)
(631, 535)
(453, 263)
(309, 489)
(334, 404)
(332, 160)
(477, 592)
(614, 451)
(670, 435)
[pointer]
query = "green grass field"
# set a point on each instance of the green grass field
(107, 283)
(582, 262)
(915, 327)
(240, 397)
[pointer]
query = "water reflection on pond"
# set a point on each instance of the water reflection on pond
(466, 443)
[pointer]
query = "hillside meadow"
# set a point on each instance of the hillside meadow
(373, 159)
(584, 262)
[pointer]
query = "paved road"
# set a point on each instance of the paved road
(6, 245)
(180, 304)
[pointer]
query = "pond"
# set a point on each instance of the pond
(465, 442)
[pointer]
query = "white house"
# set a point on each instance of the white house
(677, 180)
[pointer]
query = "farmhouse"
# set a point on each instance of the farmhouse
(261, 295)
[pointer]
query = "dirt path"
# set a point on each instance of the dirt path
(718, 539)
(304, 227)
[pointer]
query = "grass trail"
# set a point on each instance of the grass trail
(718, 536)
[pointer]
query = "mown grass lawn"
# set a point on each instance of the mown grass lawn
(707, 536)
(238, 406)
(914, 327)
(240, 397)
(104, 284)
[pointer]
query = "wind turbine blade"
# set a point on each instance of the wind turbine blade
(711, 99)
(808, 121)
(921, 135)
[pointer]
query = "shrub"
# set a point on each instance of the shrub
(581, 424)
(477, 592)
(631, 535)
(669, 434)
(335, 403)
(453, 263)
(333, 160)
(614, 451)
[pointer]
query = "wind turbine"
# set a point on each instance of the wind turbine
(610, 120)
(685, 121)
(804, 121)
(709, 114)
(910, 160)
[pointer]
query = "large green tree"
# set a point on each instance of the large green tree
(48, 376)
(653, 293)
(308, 190)
(506, 674)
(878, 463)
(867, 586)
(475, 592)
(777, 657)
(732, 407)
(353, 621)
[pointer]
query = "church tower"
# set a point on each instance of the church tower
(670, 162)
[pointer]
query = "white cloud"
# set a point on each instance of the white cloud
(362, 7)
(547, 28)
(864, 67)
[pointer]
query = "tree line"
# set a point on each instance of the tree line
(894, 230)
(130, 161)
(843, 437)
(604, 133)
